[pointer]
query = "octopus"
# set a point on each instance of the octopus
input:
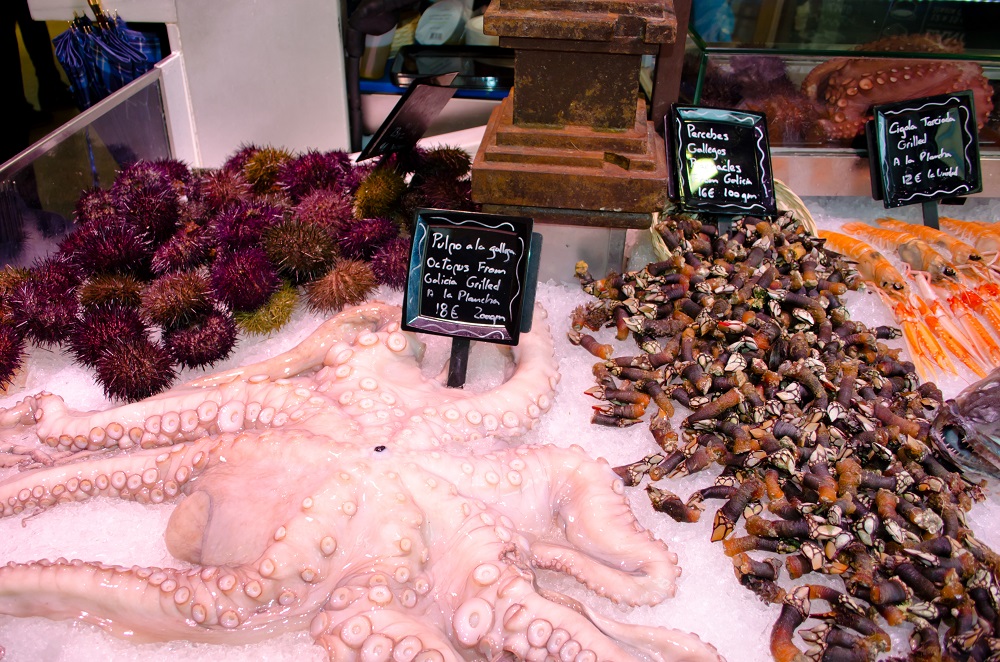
(845, 88)
(336, 488)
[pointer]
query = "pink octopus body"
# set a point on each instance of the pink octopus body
(373, 525)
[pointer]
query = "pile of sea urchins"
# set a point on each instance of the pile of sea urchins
(164, 267)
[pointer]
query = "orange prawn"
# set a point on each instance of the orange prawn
(951, 336)
(872, 265)
(961, 252)
(985, 298)
(911, 249)
(924, 348)
(984, 237)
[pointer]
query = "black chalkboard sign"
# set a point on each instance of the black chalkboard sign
(924, 149)
(470, 275)
(410, 118)
(721, 160)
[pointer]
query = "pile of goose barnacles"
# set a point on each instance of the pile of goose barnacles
(821, 430)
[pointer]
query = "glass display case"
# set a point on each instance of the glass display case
(40, 187)
(816, 68)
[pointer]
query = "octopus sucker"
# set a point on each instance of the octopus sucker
(329, 473)
(868, 81)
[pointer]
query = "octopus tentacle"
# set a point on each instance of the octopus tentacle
(311, 352)
(533, 627)
(384, 634)
(626, 563)
(142, 604)
(515, 406)
(604, 546)
(146, 477)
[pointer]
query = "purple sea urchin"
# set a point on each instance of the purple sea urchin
(96, 205)
(273, 315)
(439, 193)
(242, 224)
(312, 171)
(330, 209)
(176, 172)
(147, 198)
(239, 158)
(391, 262)
(190, 247)
(111, 246)
(301, 251)
(347, 284)
(134, 370)
(263, 167)
(122, 289)
(362, 238)
(11, 354)
(223, 187)
(203, 343)
(102, 326)
(379, 194)
(177, 299)
(44, 306)
(244, 279)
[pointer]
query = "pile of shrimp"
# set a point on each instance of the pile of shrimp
(947, 300)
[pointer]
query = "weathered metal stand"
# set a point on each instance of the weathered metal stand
(571, 144)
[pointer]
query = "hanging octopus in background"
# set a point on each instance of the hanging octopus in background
(845, 88)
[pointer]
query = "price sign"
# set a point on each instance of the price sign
(410, 118)
(471, 275)
(924, 149)
(721, 160)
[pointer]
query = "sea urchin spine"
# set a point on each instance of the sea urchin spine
(349, 283)
(244, 279)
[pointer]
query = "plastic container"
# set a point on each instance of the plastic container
(376, 54)
(442, 23)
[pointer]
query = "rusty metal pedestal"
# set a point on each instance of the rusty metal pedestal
(571, 145)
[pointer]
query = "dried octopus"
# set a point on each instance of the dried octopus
(822, 432)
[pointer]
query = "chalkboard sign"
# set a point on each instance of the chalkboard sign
(410, 118)
(721, 160)
(470, 275)
(924, 149)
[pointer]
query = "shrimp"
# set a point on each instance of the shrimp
(961, 252)
(957, 340)
(911, 249)
(984, 237)
(872, 265)
(923, 345)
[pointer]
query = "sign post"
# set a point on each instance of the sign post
(923, 150)
(472, 276)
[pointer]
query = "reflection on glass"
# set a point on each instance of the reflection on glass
(39, 188)
(815, 67)
(841, 24)
(701, 171)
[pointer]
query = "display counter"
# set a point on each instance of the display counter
(381, 387)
